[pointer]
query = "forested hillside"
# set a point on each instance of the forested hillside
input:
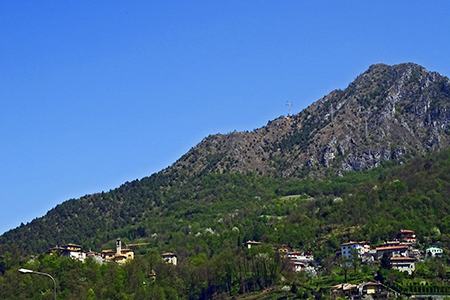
(370, 205)
(206, 222)
(388, 115)
(292, 182)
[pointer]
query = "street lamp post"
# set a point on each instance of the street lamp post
(25, 271)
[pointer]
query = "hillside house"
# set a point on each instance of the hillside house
(343, 290)
(108, 254)
(120, 255)
(403, 264)
(300, 256)
(361, 247)
(391, 243)
(170, 258)
(125, 256)
(307, 267)
(250, 244)
(97, 257)
(415, 253)
(360, 291)
(299, 265)
(407, 236)
(433, 251)
(393, 251)
(368, 257)
(55, 250)
(73, 251)
(302, 262)
(70, 250)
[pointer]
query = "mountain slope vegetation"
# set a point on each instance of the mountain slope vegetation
(207, 235)
(232, 185)
(358, 164)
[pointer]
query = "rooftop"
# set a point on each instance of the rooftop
(391, 248)
(352, 243)
(403, 258)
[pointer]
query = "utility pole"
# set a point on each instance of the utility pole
(289, 105)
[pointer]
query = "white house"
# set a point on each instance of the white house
(170, 258)
(73, 251)
(433, 251)
(249, 244)
(361, 247)
(299, 265)
(305, 257)
(403, 264)
(393, 251)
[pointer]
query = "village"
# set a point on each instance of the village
(401, 253)
(119, 255)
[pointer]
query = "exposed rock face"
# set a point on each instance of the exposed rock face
(387, 113)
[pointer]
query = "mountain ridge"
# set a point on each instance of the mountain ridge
(386, 113)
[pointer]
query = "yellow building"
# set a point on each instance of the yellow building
(120, 255)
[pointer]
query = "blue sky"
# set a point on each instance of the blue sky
(96, 93)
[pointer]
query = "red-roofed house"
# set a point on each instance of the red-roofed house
(407, 236)
(73, 251)
(70, 250)
(393, 251)
(403, 264)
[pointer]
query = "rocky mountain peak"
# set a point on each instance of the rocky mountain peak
(386, 113)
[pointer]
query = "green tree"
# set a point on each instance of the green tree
(91, 294)
(355, 260)
(345, 263)
(385, 262)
